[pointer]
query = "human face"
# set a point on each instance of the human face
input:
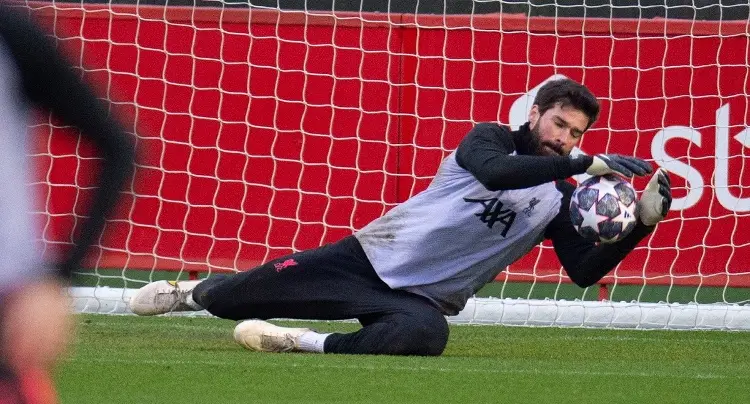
(558, 130)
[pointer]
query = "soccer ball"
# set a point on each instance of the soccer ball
(602, 208)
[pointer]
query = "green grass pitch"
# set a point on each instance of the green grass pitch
(128, 359)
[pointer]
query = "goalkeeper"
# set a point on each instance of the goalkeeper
(496, 197)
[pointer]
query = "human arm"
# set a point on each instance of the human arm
(584, 261)
(50, 82)
(487, 152)
(36, 325)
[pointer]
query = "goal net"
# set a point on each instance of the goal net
(263, 131)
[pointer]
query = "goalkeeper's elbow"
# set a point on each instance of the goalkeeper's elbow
(582, 281)
(585, 283)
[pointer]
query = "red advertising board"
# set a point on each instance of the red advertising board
(265, 132)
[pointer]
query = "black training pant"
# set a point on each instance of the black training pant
(332, 282)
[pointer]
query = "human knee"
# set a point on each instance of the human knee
(210, 295)
(425, 335)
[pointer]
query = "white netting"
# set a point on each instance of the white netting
(265, 131)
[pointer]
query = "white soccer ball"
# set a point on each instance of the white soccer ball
(602, 208)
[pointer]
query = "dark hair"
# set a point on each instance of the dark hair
(567, 93)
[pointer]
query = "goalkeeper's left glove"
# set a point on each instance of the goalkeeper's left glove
(656, 199)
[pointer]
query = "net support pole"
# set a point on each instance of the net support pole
(603, 292)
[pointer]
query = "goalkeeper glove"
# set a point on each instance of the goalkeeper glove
(603, 164)
(656, 199)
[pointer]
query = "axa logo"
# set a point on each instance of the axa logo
(493, 211)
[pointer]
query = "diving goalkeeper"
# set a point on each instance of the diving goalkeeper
(496, 197)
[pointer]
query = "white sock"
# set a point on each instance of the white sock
(311, 341)
(192, 303)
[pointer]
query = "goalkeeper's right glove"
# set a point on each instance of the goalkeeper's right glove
(603, 164)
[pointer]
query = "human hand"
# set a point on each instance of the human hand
(656, 199)
(603, 164)
(37, 326)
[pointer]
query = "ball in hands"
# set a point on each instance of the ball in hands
(602, 208)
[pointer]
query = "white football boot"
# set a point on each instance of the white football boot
(258, 335)
(163, 297)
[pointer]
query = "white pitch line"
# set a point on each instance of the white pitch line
(616, 338)
(561, 372)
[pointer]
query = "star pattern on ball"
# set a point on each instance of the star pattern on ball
(602, 209)
(591, 219)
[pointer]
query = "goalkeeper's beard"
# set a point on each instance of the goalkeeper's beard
(531, 144)
(537, 147)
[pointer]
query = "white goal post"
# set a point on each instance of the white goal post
(264, 131)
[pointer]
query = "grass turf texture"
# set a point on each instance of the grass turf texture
(128, 359)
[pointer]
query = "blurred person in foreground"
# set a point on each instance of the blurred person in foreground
(35, 320)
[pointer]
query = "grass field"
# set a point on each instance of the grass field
(127, 359)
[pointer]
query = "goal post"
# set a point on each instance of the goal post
(265, 131)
